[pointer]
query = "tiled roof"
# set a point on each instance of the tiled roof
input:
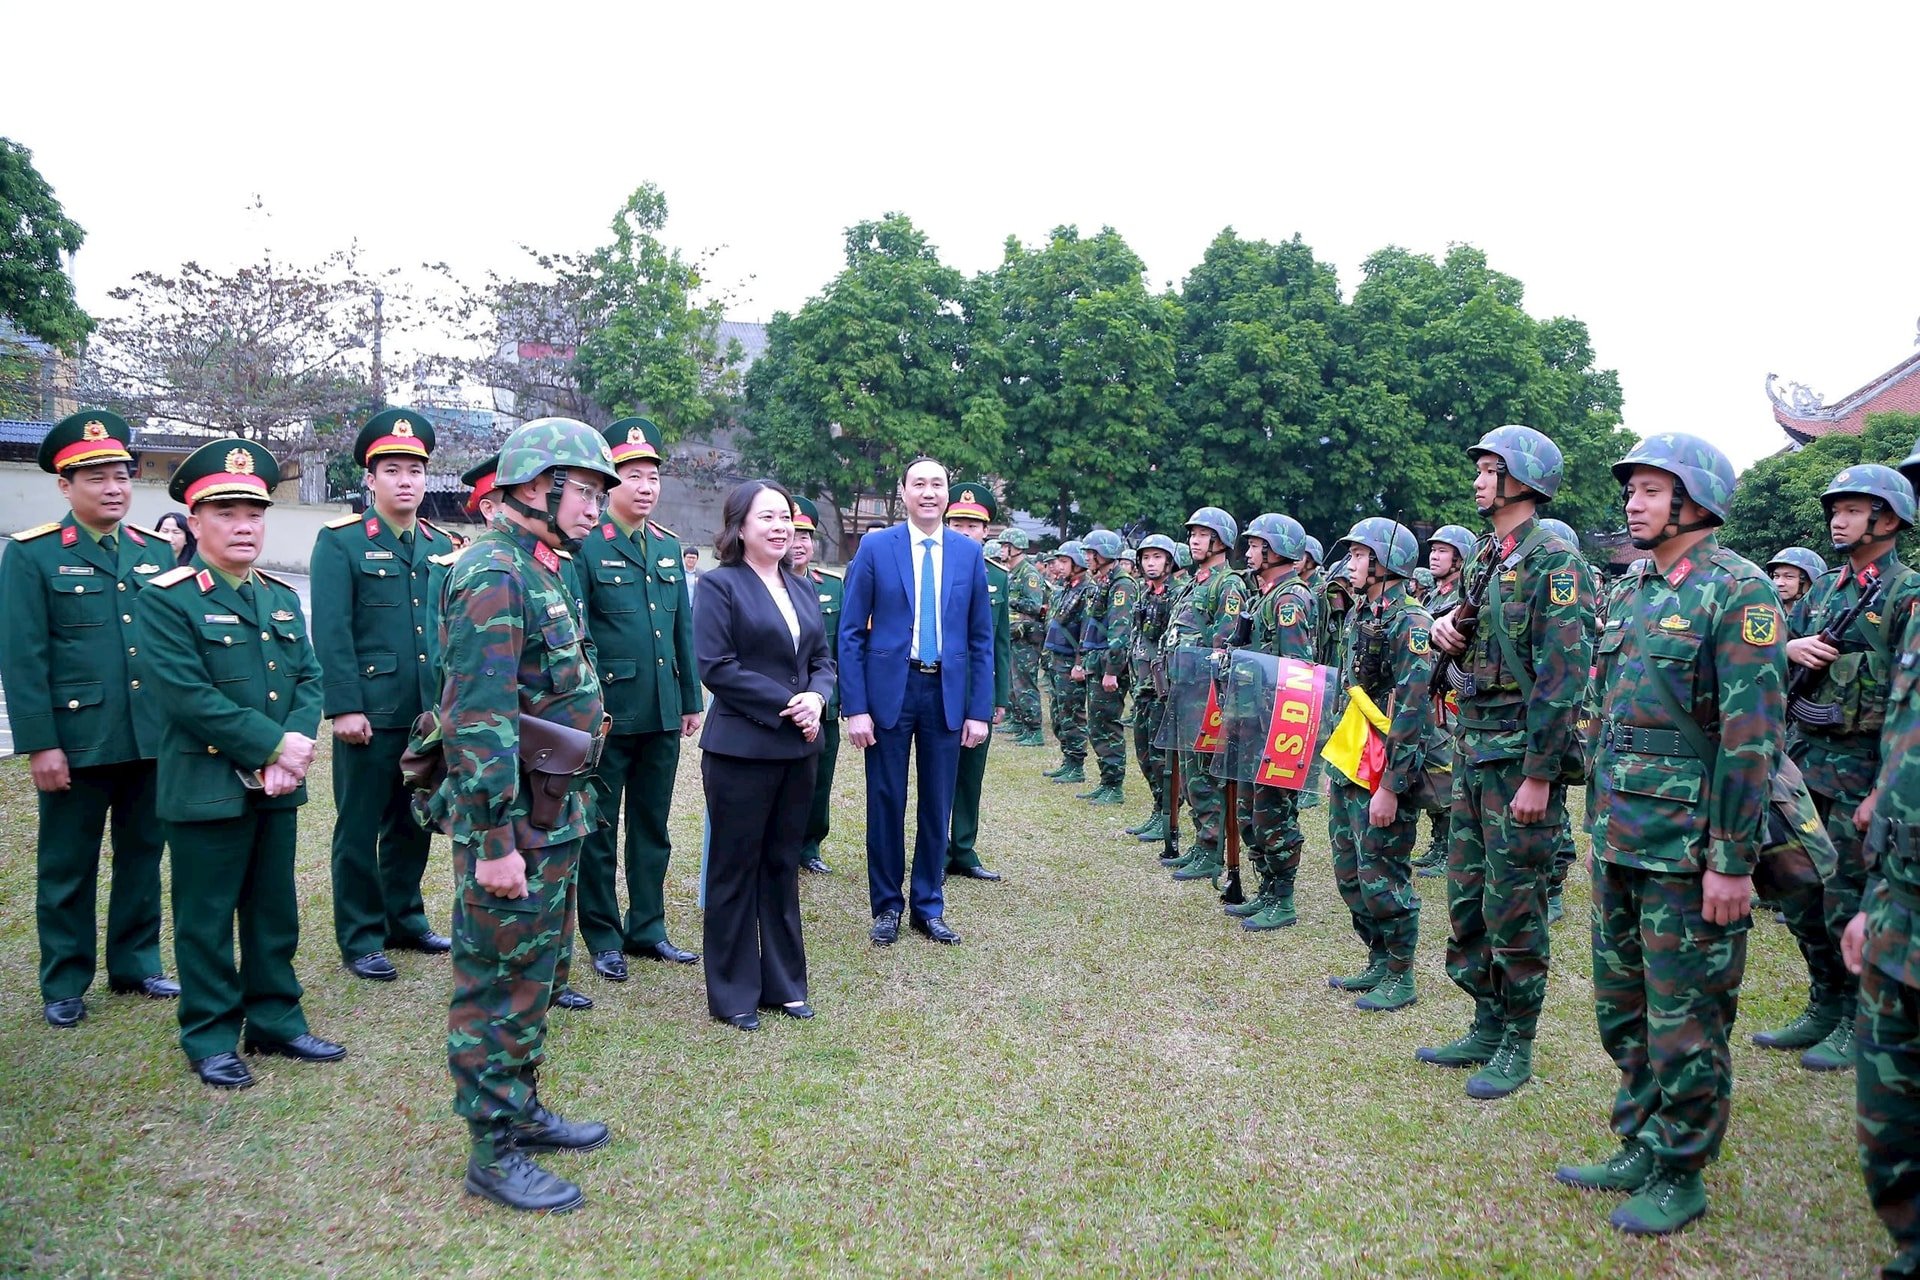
(14, 431)
(1805, 417)
(751, 336)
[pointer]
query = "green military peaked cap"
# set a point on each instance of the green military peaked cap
(971, 500)
(393, 433)
(89, 438)
(225, 468)
(806, 516)
(634, 440)
(479, 478)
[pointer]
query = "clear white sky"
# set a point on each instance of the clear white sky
(1719, 191)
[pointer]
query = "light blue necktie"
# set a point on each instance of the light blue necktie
(929, 608)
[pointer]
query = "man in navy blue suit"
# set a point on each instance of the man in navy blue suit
(916, 677)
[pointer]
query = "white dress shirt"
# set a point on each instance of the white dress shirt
(916, 555)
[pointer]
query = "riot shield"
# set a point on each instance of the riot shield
(1275, 720)
(1190, 702)
(1244, 691)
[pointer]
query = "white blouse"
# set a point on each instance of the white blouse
(783, 601)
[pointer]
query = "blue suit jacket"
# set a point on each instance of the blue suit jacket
(876, 628)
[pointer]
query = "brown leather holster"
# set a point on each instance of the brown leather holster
(551, 757)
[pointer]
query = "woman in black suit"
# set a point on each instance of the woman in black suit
(763, 655)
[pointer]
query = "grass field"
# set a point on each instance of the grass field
(1109, 1077)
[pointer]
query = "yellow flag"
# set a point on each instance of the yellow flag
(1358, 747)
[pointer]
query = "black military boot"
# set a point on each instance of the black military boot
(499, 1171)
(538, 1129)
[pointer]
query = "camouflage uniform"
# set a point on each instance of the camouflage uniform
(1027, 596)
(1153, 609)
(1281, 622)
(1106, 638)
(1065, 616)
(1205, 616)
(1445, 711)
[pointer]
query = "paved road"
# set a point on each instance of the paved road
(299, 581)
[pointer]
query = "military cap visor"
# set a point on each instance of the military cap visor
(393, 433)
(806, 516)
(228, 468)
(479, 478)
(634, 440)
(971, 500)
(90, 438)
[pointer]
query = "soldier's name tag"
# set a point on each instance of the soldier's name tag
(1759, 624)
(1560, 587)
(228, 618)
(378, 555)
(78, 570)
(557, 609)
(1419, 642)
(146, 568)
(612, 564)
(283, 615)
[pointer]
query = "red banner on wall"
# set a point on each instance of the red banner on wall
(1294, 732)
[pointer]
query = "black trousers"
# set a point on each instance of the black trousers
(758, 810)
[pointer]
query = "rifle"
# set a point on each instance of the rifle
(1170, 847)
(1801, 707)
(1466, 620)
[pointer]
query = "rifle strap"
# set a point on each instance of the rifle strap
(1508, 653)
(1880, 637)
(1704, 747)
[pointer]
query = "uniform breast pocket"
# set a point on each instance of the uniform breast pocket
(563, 664)
(616, 588)
(82, 726)
(80, 602)
(383, 584)
(1656, 805)
(1673, 656)
(1515, 615)
(229, 652)
(669, 591)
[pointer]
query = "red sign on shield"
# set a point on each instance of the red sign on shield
(1294, 730)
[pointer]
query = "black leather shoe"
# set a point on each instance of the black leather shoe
(515, 1181)
(158, 987)
(935, 927)
(801, 1010)
(610, 965)
(664, 950)
(70, 1012)
(223, 1071)
(568, 998)
(374, 967)
(816, 866)
(542, 1130)
(305, 1047)
(974, 872)
(886, 929)
(740, 1021)
(430, 942)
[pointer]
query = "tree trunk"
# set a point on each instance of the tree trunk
(313, 471)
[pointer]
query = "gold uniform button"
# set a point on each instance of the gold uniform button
(273, 695)
(423, 657)
(136, 684)
(226, 640)
(265, 636)
(73, 704)
(213, 751)
(79, 590)
(273, 666)
(651, 605)
(383, 573)
(120, 586)
(659, 662)
(369, 670)
(133, 650)
(126, 617)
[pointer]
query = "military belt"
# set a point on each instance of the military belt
(1491, 726)
(1642, 741)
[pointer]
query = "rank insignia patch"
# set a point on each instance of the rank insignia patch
(1232, 607)
(1759, 624)
(1418, 642)
(1673, 622)
(1560, 586)
(1288, 614)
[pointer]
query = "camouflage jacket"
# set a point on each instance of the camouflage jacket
(1208, 611)
(1402, 684)
(1710, 632)
(1284, 619)
(1445, 599)
(1106, 637)
(1152, 610)
(512, 644)
(1066, 615)
(1027, 597)
(1842, 761)
(1892, 899)
(1537, 608)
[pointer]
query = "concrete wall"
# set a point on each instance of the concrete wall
(29, 497)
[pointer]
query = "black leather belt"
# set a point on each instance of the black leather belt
(1649, 742)
(925, 668)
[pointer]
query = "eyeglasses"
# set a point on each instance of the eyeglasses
(596, 498)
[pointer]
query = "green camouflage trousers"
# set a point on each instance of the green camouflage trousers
(1372, 866)
(1204, 801)
(1269, 820)
(1027, 666)
(1497, 877)
(1148, 711)
(1887, 1080)
(1848, 879)
(1105, 733)
(1789, 875)
(504, 952)
(1666, 989)
(1069, 706)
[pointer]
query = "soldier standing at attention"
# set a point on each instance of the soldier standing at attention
(83, 720)
(224, 652)
(1520, 677)
(376, 595)
(1448, 551)
(1027, 603)
(641, 621)
(829, 587)
(970, 508)
(1692, 667)
(1839, 720)
(1064, 617)
(1565, 851)
(1206, 617)
(1794, 571)
(1882, 946)
(1152, 611)
(512, 646)
(1280, 621)
(1105, 639)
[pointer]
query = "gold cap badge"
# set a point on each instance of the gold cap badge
(94, 431)
(239, 462)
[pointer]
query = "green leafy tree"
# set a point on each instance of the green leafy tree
(871, 373)
(36, 295)
(1777, 503)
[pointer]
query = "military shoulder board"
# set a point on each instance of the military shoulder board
(343, 521)
(172, 577)
(662, 530)
(135, 531)
(263, 575)
(840, 573)
(38, 531)
(445, 559)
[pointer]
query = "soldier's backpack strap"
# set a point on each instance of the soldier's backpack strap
(1880, 637)
(1508, 653)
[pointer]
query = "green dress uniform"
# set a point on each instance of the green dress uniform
(830, 587)
(975, 501)
(641, 621)
(232, 673)
(69, 595)
(376, 591)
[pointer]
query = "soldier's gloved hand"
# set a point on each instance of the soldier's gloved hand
(1853, 943)
(353, 728)
(503, 877)
(50, 770)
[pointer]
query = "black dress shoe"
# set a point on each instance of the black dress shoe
(374, 967)
(430, 942)
(70, 1012)
(568, 998)
(816, 866)
(886, 929)
(801, 1010)
(974, 872)
(305, 1047)
(223, 1071)
(610, 965)
(158, 987)
(740, 1021)
(664, 950)
(541, 1130)
(935, 927)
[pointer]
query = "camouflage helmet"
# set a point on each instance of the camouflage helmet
(1016, 538)
(1218, 523)
(1160, 542)
(1075, 551)
(1315, 552)
(1704, 471)
(1393, 545)
(1130, 555)
(992, 548)
(1282, 534)
(1871, 480)
(1528, 456)
(1563, 531)
(1807, 562)
(1459, 537)
(1424, 579)
(1182, 556)
(1104, 543)
(546, 443)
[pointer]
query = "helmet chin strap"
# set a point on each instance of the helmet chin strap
(1869, 538)
(1672, 528)
(550, 516)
